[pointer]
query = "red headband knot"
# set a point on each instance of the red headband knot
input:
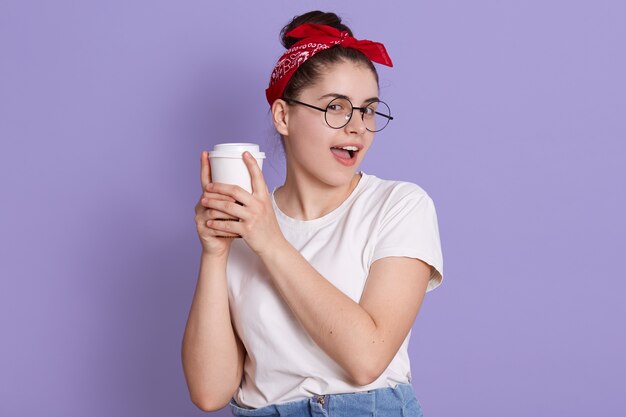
(313, 39)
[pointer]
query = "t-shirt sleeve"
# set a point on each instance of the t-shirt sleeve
(409, 228)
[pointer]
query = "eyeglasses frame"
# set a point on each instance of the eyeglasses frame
(361, 109)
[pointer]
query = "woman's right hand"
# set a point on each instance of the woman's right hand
(213, 242)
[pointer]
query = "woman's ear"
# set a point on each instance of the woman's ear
(280, 116)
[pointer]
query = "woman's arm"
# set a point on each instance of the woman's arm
(362, 338)
(212, 354)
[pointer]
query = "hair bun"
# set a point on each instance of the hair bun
(316, 17)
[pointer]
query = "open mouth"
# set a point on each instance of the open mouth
(345, 152)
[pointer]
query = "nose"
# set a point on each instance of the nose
(356, 123)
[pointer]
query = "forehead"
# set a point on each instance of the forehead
(355, 81)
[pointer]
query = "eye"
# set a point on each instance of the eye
(339, 106)
(335, 107)
(370, 111)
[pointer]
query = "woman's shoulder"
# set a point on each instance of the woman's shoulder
(395, 190)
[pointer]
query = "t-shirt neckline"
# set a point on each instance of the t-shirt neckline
(325, 219)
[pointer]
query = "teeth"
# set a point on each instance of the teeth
(347, 148)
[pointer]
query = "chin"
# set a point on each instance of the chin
(339, 178)
(329, 171)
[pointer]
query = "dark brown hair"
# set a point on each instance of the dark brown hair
(311, 70)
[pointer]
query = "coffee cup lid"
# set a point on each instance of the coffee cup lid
(235, 150)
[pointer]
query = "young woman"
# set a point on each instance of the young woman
(310, 312)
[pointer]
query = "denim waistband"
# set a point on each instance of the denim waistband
(389, 402)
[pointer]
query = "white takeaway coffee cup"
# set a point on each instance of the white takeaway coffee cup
(227, 165)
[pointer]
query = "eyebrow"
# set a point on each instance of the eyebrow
(335, 95)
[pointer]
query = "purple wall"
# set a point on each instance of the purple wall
(512, 115)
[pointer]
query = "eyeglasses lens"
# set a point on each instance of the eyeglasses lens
(375, 115)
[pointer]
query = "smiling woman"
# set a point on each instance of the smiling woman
(312, 308)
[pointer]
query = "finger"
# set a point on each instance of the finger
(236, 192)
(232, 209)
(217, 196)
(213, 214)
(225, 227)
(217, 233)
(258, 182)
(205, 170)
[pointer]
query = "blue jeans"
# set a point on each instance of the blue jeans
(382, 402)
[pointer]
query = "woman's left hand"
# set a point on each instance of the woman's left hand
(257, 223)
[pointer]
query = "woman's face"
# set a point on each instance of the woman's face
(310, 141)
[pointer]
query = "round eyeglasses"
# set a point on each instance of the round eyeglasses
(376, 115)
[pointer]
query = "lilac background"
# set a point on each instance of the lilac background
(510, 114)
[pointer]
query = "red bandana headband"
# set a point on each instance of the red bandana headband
(313, 39)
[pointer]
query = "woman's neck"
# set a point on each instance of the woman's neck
(304, 198)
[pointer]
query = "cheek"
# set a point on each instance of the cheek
(309, 138)
(307, 147)
(303, 125)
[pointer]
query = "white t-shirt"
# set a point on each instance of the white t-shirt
(380, 218)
